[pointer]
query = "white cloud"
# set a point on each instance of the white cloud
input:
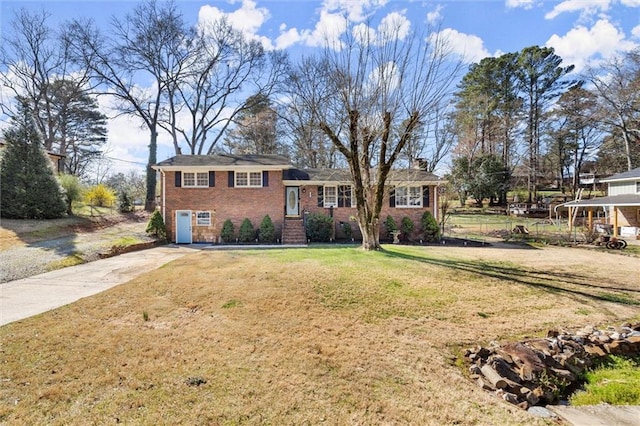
(394, 24)
(334, 16)
(636, 31)
(585, 8)
(287, 37)
(248, 19)
(127, 140)
(513, 4)
(327, 30)
(355, 10)
(435, 15)
(630, 3)
(582, 45)
(363, 33)
(470, 47)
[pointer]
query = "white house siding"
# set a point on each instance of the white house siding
(621, 188)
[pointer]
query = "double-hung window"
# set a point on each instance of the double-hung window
(331, 196)
(345, 196)
(248, 179)
(195, 179)
(203, 218)
(409, 196)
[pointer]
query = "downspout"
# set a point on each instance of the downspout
(164, 191)
(436, 196)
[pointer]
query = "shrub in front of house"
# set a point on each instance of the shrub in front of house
(267, 231)
(227, 234)
(319, 227)
(157, 227)
(247, 233)
(406, 227)
(430, 227)
(348, 232)
(390, 225)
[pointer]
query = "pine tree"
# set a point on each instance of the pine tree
(28, 187)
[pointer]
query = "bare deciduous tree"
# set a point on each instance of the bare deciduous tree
(617, 85)
(379, 85)
(222, 64)
(148, 43)
(310, 145)
(39, 71)
(577, 135)
(432, 142)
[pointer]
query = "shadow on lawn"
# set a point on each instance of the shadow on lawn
(558, 282)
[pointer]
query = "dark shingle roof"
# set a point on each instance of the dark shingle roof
(225, 160)
(290, 173)
(344, 175)
(630, 175)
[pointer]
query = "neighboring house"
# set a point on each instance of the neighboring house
(200, 192)
(57, 160)
(621, 206)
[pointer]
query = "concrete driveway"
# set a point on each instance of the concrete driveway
(26, 297)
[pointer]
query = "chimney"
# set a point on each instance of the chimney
(420, 164)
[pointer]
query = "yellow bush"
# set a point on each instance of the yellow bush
(100, 196)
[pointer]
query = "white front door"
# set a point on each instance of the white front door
(183, 227)
(293, 203)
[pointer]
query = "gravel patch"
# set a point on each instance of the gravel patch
(22, 261)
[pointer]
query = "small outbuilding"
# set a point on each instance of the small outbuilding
(620, 208)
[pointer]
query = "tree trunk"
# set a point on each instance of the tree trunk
(370, 235)
(150, 202)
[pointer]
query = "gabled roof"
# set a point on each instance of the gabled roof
(212, 162)
(630, 175)
(320, 176)
(291, 174)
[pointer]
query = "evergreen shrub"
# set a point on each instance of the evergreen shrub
(267, 230)
(247, 233)
(319, 227)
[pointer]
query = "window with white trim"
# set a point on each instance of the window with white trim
(203, 218)
(409, 196)
(345, 196)
(195, 179)
(248, 179)
(330, 196)
(638, 187)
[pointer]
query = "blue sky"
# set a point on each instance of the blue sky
(583, 32)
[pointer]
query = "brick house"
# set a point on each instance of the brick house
(199, 193)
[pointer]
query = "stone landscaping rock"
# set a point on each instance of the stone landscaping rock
(537, 371)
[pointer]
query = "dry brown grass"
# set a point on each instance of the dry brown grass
(334, 336)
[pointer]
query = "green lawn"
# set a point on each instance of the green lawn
(328, 335)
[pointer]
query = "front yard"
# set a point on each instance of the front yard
(308, 336)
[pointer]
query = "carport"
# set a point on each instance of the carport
(617, 209)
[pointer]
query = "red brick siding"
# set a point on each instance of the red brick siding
(254, 203)
(224, 203)
(309, 202)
